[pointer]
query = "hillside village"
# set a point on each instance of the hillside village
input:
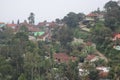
(77, 47)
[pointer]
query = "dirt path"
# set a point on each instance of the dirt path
(102, 56)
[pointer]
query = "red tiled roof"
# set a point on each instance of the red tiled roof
(52, 24)
(62, 57)
(11, 25)
(89, 43)
(90, 57)
(44, 35)
(92, 15)
(41, 24)
(116, 36)
(2, 23)
(30, 27)
(33, 29)
(103, 74)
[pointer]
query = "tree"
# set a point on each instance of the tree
(31, 18)
(32, 65)
(58, 20)
(22, 77)
(71, 19)
(23, 28)
(64, 35)
(81, 16)
(112, 15)
(93, 75)
(5, 69)
(72, 71)
(100, 33)
(115, 72)
(18, 22)
(12, 22)
(5, 35)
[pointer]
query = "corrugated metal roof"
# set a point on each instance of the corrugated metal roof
(39, 33)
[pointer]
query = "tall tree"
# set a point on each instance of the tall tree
(93, 75)
(112, 15)
(100, 33)
(72, 19)
(64, 35)
(31, 18)
(18, 22)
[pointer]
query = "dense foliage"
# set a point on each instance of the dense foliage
(22, 59)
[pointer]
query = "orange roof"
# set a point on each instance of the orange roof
(11, 25)
(2, 23)
(90, 57)
(89, 43)
(33, 29)
(44, 35)
(103, 74)
(92, 15)
(52, 24)
(116, 36)
(62, 57)
(41, 24)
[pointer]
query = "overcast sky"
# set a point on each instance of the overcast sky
(45, 9)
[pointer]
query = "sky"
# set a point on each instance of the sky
(45, 9)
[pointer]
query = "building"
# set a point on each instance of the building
(116, 40)
(103, 71)
(92, 58)
(2, 24)
(12, 26)
(63, 58)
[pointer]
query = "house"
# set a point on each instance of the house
(40, 36)
(63, 58)
(103, 71)
(117, 47)
(116, 36)
(2, 25)
(12, 26)
(116, 40)
(92, 58)
(42, 24)
(31, 28)
(32, 38)
(91, 16)
(52, 24)
(94, 16)
(83, 72)
(47, 24)
(44, 36)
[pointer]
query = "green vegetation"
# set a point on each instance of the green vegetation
(24, 59)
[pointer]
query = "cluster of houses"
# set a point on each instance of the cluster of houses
(64, 58)
(103, 71)
(91, 18)
(42, 31)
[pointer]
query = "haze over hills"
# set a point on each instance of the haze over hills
(45, 9)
